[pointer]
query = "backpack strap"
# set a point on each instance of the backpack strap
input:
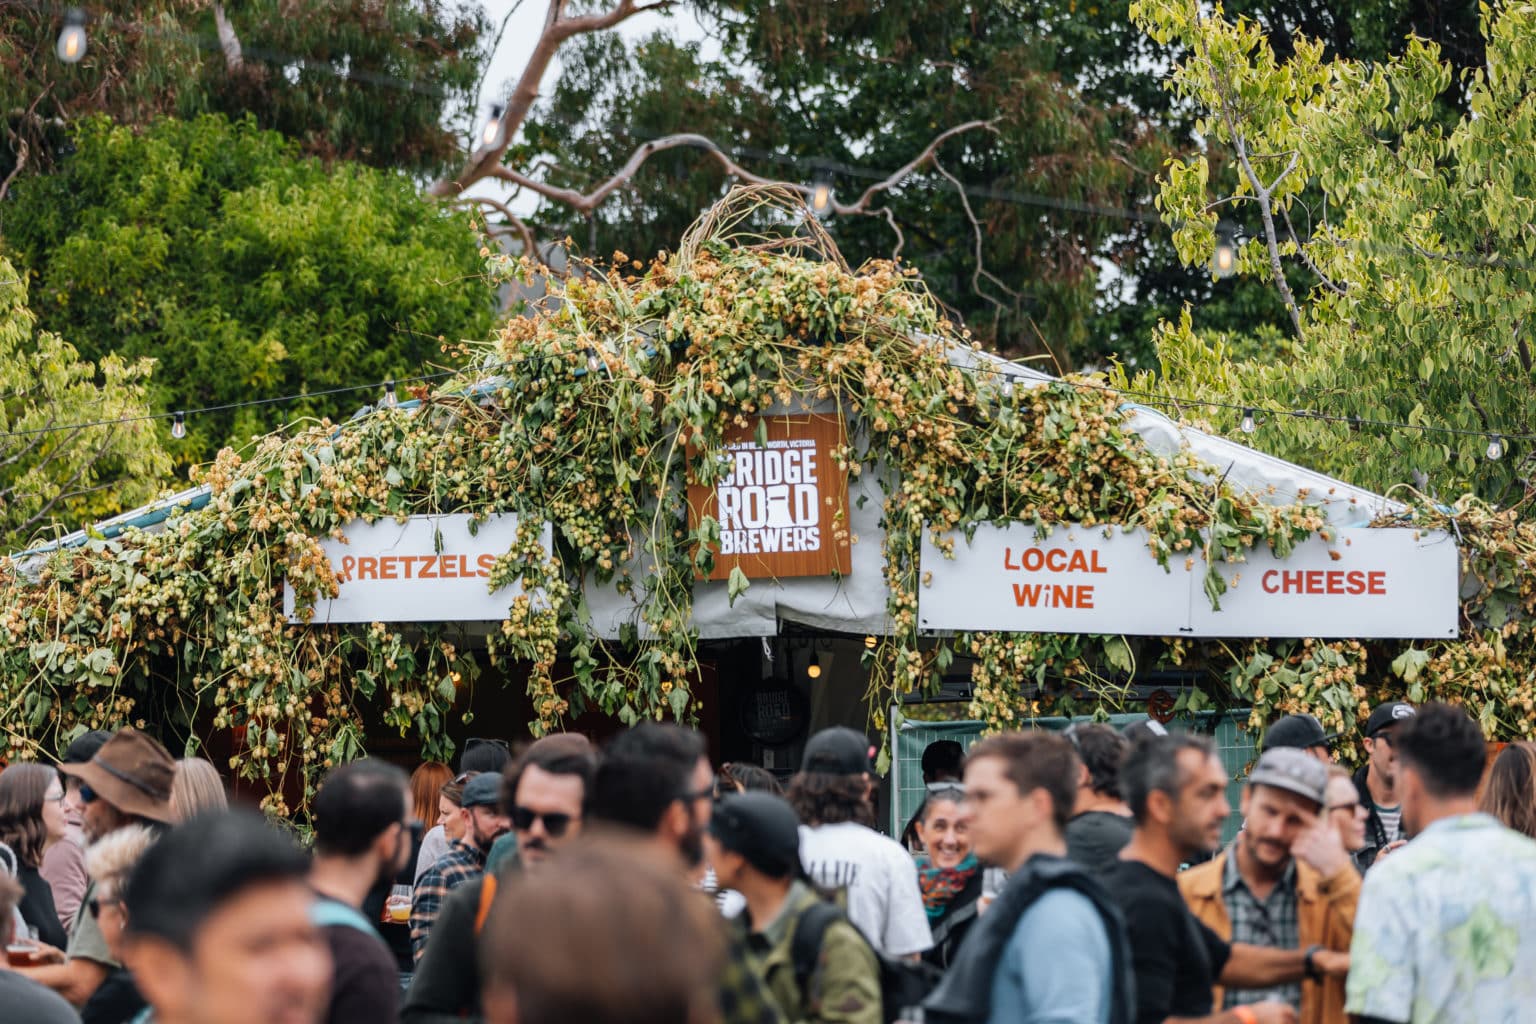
(805, 945)
(487, 897)
(329, 913)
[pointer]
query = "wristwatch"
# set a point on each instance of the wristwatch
(1310, 963)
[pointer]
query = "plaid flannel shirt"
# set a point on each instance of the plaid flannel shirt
(744, 997)
(1272, 923)
(464, 862)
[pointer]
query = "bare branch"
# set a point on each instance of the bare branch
(229, 40)
(557, 29)
(22, 150)
(530, 247)
(890, 218)
(980, 269)
(586, 202)
(926, 155)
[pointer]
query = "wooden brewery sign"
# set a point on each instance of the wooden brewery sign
(779, 502)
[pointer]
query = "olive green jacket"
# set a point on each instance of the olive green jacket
(845, 988)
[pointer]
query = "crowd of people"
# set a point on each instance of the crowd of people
(1047, 878)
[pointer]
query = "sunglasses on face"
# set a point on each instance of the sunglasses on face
(95, 904)
(554, 824)
(957, 788)
(87, 794)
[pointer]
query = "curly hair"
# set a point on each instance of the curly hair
(22, 790)
(822, 799)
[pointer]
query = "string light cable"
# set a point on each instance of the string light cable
(180, 417)
(1498, 440)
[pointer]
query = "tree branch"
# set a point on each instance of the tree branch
(917, 161)
(1260, 193)
(229, 40)
(22, 150)
(557, 29)
(530, 247)
(586, 202)
(1327, 281)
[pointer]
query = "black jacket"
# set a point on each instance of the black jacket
(955, 923)
(1375, 832)
(965, 994)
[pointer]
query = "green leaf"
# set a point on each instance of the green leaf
(737, 584)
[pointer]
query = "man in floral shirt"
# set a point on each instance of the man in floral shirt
(465, 859)
(1446, 929)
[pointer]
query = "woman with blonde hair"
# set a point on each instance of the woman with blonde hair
(1510, 792)
(196, 788)
(110, 861)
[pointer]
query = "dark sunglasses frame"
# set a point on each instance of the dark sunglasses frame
(95, 903)
(555, 824)
(87, 794)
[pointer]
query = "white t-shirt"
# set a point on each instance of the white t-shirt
(884, 901)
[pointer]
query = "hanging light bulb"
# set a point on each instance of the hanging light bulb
(813, 670)
(1247, 426)
(492, 130)
(871, 642)
(1224, 259)
(179, 426)
(1495, 448)
(391, 400)
(821, 194)
(72, 40)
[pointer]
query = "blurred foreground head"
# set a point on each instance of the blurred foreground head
(610, 934)
(219, 927)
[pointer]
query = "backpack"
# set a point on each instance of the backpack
(904, 984)
(329, 913)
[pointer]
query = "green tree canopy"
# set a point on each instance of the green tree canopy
(49, 474)
(245, 270)
(390, 84)
(1419, 264)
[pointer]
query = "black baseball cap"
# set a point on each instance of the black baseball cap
(483, 790)
(837, 751)
(83, 747)
(1143, 731)
(761, 827)
(1385, 716)
(1299, 731)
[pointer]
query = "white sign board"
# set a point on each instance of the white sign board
(427, 569)
(1369, 583)
(1074, 581)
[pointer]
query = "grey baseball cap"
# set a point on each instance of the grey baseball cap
(1294, 771)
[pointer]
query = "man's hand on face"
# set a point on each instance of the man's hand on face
(1321, 849)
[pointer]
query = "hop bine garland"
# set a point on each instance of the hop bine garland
(601, 410)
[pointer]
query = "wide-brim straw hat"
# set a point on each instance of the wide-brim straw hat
(133, 773)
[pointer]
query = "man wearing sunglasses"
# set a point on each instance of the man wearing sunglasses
(544, 793)
(126, 782)
(1376, 783)
(363, 837)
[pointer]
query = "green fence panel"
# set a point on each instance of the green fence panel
(910, 737)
